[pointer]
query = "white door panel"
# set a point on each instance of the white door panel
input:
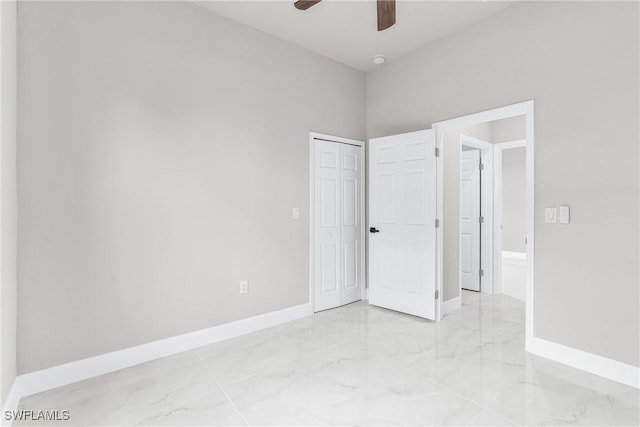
(403, 210)
(470, 220)
(327, 229)
(329, 269)
(351, 226)
(329, 201)
(338, 224)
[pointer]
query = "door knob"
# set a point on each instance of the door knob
(374, 230)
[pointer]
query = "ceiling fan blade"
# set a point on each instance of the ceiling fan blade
(305, 4)
(386, 14)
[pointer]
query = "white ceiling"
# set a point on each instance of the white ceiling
(345, 31)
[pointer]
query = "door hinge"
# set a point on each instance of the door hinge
(437, 294)
(437, 152)
(481, 220)
(481, 166)
(437, 223)
(481, 272)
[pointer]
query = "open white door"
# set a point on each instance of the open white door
(470, 220)
(402, 221)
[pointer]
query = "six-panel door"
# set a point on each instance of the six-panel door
(402, 209)
(338, 224)
(469, 219)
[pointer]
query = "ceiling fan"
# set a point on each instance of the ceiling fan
(386, 11)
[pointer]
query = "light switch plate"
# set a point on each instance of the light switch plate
(296, 213)
(550, 215)
(564, 215)
(244, 287)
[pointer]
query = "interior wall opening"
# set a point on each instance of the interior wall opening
(486, 175)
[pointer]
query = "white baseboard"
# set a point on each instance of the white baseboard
(57, 376)
(589, 362)
(514, 255)
(451, 305)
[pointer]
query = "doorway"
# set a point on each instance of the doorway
(510, 218)
(449, 282)
(337, 221)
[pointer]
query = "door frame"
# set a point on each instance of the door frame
(312, 165)
(486, 210)
(497, 217)
(525, 108)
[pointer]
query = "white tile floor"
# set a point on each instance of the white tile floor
(356, 365)
(514, 277)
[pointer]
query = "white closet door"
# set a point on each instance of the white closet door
(402, 214)
(327, 225)
(338, 224)
(351, 230)
(470, 220)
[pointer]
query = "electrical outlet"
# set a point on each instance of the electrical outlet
(244, 287)
(296, 213)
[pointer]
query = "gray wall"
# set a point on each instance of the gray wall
(579, 61)
(162, 148)
(8, 222)
(514, 199)
(514, 182)
(451, 205)
(509, 129)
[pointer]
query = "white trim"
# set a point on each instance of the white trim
(440, 229)
(363, 176)
(474, 142)
(451, 304)
(530, 159)
(487, 252)
(589, 362)
(523, 108)
(511, 144)
(497, 219)
(499, 113)
(47, 379)
(514, 255)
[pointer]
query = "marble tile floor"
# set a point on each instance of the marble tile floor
(356, 365)
(514, 277)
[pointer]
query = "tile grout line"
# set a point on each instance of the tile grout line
(234, 405)
(470, 423)
(483, 406)
(222, 389)
(502, 415)
(494, 413)
(432, 381)
(196, 396)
